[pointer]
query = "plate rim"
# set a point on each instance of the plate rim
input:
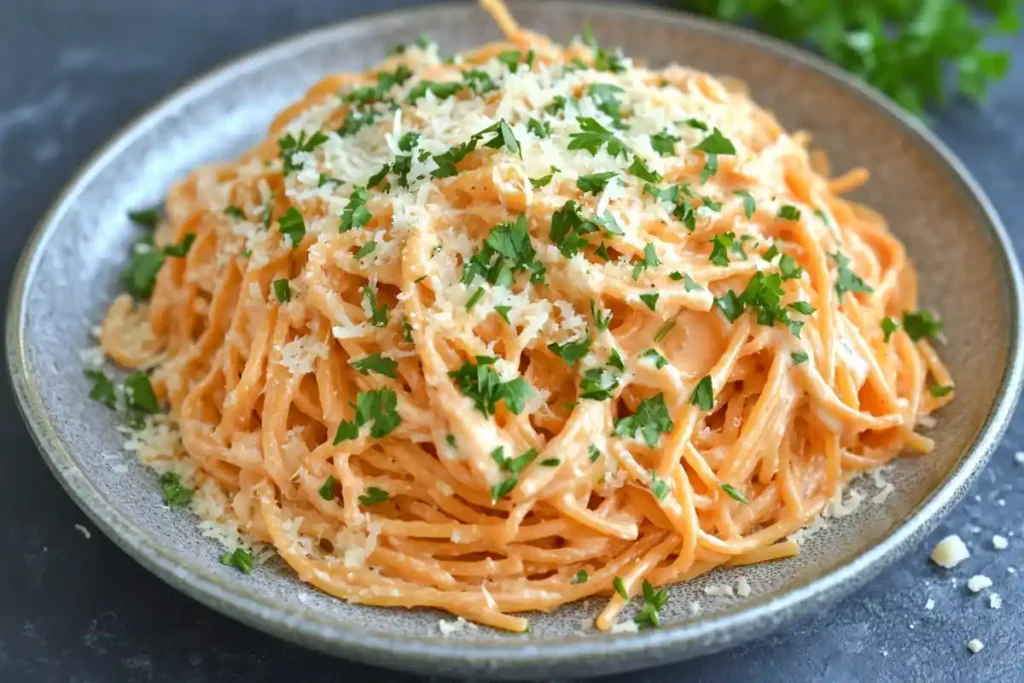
(512, 656)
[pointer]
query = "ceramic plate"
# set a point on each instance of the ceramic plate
(71, 267)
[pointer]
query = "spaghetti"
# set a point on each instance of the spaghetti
(498, 333)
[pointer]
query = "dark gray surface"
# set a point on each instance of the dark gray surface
(73, 609)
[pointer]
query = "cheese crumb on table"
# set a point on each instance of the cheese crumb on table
(930, 604)
(950, 552)
(82, 530)
(978, 583)
(999, 542)
(1019, 457)
(975, 645)
(995, 601)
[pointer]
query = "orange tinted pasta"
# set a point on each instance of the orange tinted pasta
(718, 437)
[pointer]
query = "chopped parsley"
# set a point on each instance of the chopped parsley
(378, 312)
(512, 465)
(481, 383)
(366, 249)
(506, 251)
(292, 226)
(604, 96)
(789, 213)
(282, 290)
(921, 325)
(696, 124)
(720, 245)
(664, 143)
(798, 357)
(441, 91)
(503, 137)
(939, 391)
(382, 365)
(703, 395)
(735, 494)
(639, 169)
(730, 305)
(176, 494)
(289, 146)
(542, 181)
(140, 275)
(610, 225)
(654, 601)
(595, 182)
(541, 129)
(326, 489)
(146, 218)
(620, 588)
(659, 360)
(239, 558)
(102, 388)
(650, 260)
(234, 212)
(714, 144)
(649, 422)
(593, 453)
(474, 298)
(581, 577)
(659, 487)
(503, 312)
(593, 136)
(373, 496)
(550, 462)
(749, 204)
(602, 319)
(479, 82)
(571, 351)
(379, 407)
(446, 160)
(139, 397)
(665, 329)
(889, 326)
(650, 300)
(846, 279)
(598, 384)
(568, 228)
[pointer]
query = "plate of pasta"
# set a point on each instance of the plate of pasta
(526, 340)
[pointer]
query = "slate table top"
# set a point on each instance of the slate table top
(72, 73)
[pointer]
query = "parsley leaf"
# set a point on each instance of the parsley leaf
(289, 146)
(939, 391)
(703, 395)
(581, 577)
(650, 300)
(102, 388)
(602, 319)
(442, 91)
(541, 129)
(378, 313)
(889, 326)
(239, 558)
(140, 275)
(382, 365)
(789, 212)
(506, 251)
(654, 601)
(373, 496)
(650, 421)
(479, 82)
(749, 204)
(292, 226)
(568, 228)
(664, 143)
(282, 290)
(138, 394)
(366, 249)
(598, 384)
(595, 182)
(593, 136)
(620, 588)
(571, 351)
(659, 360)
(846, 279)
(640, 170)
(379, 407)
(730, 305)
(180, 250)
(798, 357)
(665, 329)
(604, 96)
(503, 137)
(735, 494)
(484, 386)
(714, 144)
(921, 325)
(176, 494)
(659, 487)
(147, 218)
(720, 245)
(326, 489)
(650, 260)
(446, 160)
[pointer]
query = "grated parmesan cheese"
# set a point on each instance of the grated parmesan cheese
(625, 627)
(950, 552)
(978, 583)
(975, 645)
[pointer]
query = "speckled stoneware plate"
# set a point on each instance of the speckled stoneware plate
(70, 271)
